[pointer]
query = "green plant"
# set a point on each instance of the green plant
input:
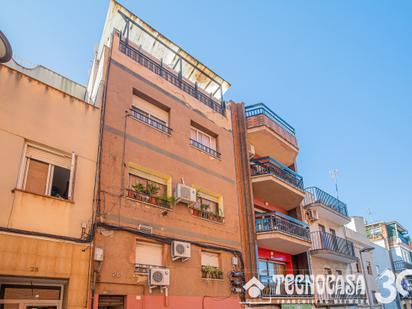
(211, 272)
(138, 187)
(204, 207)
(169, 200)
(152, 189)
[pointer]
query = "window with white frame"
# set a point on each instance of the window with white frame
(47, 172)
(148, 255)
(203, 138)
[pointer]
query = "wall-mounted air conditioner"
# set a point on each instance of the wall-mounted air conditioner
(181, 250)
(185, 194)
(159, 277)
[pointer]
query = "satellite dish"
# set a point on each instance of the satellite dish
(5, 49)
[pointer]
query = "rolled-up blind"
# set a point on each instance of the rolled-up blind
(48, 156)
(148, 254)
(210, 259)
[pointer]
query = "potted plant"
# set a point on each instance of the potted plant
(151, 191)
(219, 273)
(142, 194)
(168, 201)
(203, 210)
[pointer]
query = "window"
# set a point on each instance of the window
(268, 268)
(151, 187)
(204, 141)
(150, 112)
(357, 267)
(338, 272)
(148, 255)
(208, 207)
(328, 271)
(369, 267)
(210, 262)
(47, 172)
(110, 302)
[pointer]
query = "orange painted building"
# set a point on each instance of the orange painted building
(168, 233)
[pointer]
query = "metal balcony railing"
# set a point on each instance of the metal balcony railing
(401, 266)
(171, 77)
(204, 148)
(262, 109)
(269, 166)
(326, 241)
(275, 221)
(150, 121)
(315, 195)
(260, 115)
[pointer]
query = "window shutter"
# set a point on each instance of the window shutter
(37, 175)
(210, 259)
(148, 254)
(151, 109)
(48, 156)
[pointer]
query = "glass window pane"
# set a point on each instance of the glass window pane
(60, 182)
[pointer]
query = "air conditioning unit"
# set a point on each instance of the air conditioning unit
(185, 194)
(159, 277)
(181, 250)
(312, 214)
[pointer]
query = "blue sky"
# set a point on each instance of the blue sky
(340, 72)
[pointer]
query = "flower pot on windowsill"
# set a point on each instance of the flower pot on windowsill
(152, 200)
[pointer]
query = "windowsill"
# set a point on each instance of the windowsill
(206, 219)
(43, 195)
(212, 279)
(148, 204)
(205, 152)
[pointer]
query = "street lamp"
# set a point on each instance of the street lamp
(368, 249)
(5, 49)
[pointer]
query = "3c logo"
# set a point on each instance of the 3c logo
(390, 283)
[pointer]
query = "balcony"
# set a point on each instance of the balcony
(331, 247)
(275, 183)
(275, 230)
(327, 206)
(172, 77)
(270, 134)
(400, 266)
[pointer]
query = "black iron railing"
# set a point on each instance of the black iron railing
(269, 166)
(150, 121)
(144, 268)
(275, 221)
(204, 148)
(171, 77)
(315, 195)
(326, 241)
(153, 200)
(401, 266)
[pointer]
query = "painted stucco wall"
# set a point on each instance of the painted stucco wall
(33, 111)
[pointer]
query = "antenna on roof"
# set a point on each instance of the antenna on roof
(334, 175)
